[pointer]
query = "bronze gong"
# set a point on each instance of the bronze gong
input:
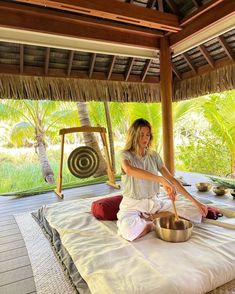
(83, 162)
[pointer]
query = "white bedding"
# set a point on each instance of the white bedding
(110, 264)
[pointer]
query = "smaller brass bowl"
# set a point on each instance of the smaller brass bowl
(232, 192)
(220, 190)
(169, 230)
(203, 187)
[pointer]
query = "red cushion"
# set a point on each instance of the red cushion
(106, 208)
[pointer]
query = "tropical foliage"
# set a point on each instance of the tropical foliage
(204, 135)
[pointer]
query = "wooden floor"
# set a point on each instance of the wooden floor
(16, 276)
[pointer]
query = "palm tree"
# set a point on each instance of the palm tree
(33, 122)
(219, 111)
(110, 114)
(89, 138)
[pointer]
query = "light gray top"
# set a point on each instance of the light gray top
(138, 188)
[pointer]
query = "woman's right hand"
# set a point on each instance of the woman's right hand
(169, 188)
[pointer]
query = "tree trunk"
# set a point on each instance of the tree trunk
(233, 165)
(47, 172)
(110, 134)
(89, 138)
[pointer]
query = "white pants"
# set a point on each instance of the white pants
(131, 224)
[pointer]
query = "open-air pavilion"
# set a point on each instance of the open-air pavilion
(130, 51)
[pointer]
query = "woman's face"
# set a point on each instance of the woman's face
(144, 137)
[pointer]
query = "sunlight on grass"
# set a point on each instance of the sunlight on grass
(20, 173)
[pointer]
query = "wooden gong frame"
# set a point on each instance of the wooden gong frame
(111, 178)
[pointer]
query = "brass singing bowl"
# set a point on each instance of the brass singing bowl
(220, 190)
(203, 187)
(170, 230)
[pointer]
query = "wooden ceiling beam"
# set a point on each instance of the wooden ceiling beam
(207, 68)
(218, 20)
(146, 68)
(61, 73)
(70, 62)
(201, 10)
(151, 3)
(42, 23)
(129, 68)
(189, 62)
(111, 66)
(47, 60)
(115, 10)
(160, 5)
(21, 58)
(197, 3)
(207, 56)
(173, 7)
(92, 64)
(176, 72)
(227, 49)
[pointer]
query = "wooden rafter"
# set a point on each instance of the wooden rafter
(47, 60)
(92, 64)
(206, 55)
(207, 68)
(176, 72)
(198, 25)
(43, 20)
(118, 11)
(160, 5)
(21, 58)
(129, 67)
(189, 62)
(111, 67)
(151, 3)
(226, 47)
(60, 72)
(197, 3)
(173, 6)
(70, 62)
(203, 9)
(146, 68)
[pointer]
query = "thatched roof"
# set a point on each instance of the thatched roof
(218, 80)
(70, 89)
(40, 71)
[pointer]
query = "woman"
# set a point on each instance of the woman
(140, 184)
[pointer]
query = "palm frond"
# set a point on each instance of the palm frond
(229, 183)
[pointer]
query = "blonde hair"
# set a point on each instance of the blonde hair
(133, 135)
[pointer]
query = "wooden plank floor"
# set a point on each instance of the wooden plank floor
(16, 276)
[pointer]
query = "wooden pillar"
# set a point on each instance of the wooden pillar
(166, 100)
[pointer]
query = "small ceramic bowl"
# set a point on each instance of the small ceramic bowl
(220, 190)
(203, 187)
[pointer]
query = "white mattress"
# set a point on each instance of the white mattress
(110, 264)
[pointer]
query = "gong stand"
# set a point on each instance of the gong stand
(111, 178)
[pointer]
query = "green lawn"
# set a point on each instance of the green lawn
(20, 172)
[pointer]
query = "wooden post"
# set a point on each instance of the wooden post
(110, 135)
(111, 177)
(102, 131)
(59, 181)
(166, 100)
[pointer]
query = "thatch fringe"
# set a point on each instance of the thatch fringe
(70, 89)
(219, 80)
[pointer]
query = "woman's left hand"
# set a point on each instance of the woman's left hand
(203, 208)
